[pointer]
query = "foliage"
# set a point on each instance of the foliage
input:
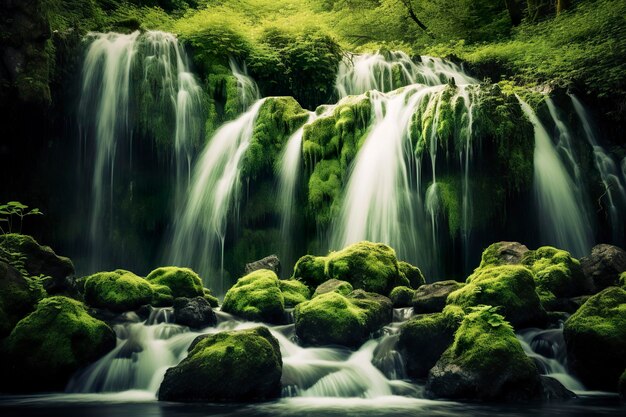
(15, 209)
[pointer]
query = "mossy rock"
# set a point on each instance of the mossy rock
(16, 298)
(402, 296)
(256, 297)
(509, 287)
(49, 345)
(412, 273)
(557, 274)
(622, 280)
(233, 366)
(213, 300)
(424, 338)
(333, 285)
(183, 282)
(596, 339)
(334, 319)
(431, 298)
(161, 296)
(117, 290)
(369, 266)
(294, 292)
(503, 253)
(485, 362)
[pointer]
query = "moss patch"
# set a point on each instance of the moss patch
(402, 296)
(294, 292)
(256, 297)
(117, 290)
(183, 282)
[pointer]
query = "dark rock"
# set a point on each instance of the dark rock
(554, 390)
(194, 312)
(234, 366)
(431, 298)
(269, 262)
(16, 298)
(604, 265)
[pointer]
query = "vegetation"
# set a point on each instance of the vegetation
(117, 290)
(182, 282)
(256, 297)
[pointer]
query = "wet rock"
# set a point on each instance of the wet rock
(503, 253)
(333, 285)
(604, 265)
(16, 298)
(554, 390)
(194, 312)
(402, 296)
(431, 298)
(269, 262)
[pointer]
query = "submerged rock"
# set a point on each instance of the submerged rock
(485, 362)
(333, 285)
(117, 290)
(183, 282)
(16, 298)
(269, 262)
(234, 366)
(50, 344)
(194, 312)
(431, 298)
(596, 339)
(256, 297)
(294, 292)
(604, 265)
(402, 296)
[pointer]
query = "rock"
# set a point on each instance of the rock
(117, 290)
(431, 298)
(554, 390)
(402, 297)
(596, 339)
(334, 319)
(269, 262)
(622, 280)
(194, 312)
(368, 266)
(183, 282)
(333, 285)
(16, 298)
(38, 260)
(256, 297)
(49, 345)
(162, 296)
(213, 301)
(423, 339)
(503, 253)
(622, 385)
(604, 265)
(412, 273)
(294, 292)
(557, 276)
(485, 362)
(233, 366)
(510, 287)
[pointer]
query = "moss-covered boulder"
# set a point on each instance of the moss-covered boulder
(256, 297)
(412, 273)
(234, 366)
(485, 362)
(431, 298)
(117, 290)
(557, 274)
(369, 266)
(503, 253)
(334, 319)
(622, 280)
(334, 285)
(509, 287)
(213, 300)
(183, 282)
(53, 342)
(596, 339)
(604, 265)
(294, 292)
(161, 296)
(402, 296)
(425, 337)
(16, 298)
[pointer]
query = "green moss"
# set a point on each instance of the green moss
(232, 366)
(32, 259)
(556, 273)
(412, 273)
(213, 301)
(333, 285)
(256, 297)
(53, 342)
(402, 296)
(324, 190)
(117, 290)
(510, 287)
(369, 266)
(294, 292)
(596, 339)
(16, 298)
(622, 280)
(161, 296)
(183, 282)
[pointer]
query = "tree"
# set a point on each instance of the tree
(515, 11)
(408, 4)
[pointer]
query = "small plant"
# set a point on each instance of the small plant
(12, 210)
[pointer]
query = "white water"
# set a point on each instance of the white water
(561, 212)
(117, 69)
(247, 88)
(200, 225)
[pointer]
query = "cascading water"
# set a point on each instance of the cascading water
(561, 212)
(247, 88)
(200, 225)
(134, 84)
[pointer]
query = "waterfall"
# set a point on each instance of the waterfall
(200, 224)
(561, 211)
(613, 184)
(133, 84)
(247, 88)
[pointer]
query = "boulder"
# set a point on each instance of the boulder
(194, 312)
(117, 290)
(604, 265)
(503, 253)
(372, 267)
(335, 319)
(16, 298)
(402, 296)
(294, 292)
(256, 297)
(554, 390)
(208, 295)
(233, 366)
(509, 287)
(269, 262)
(412, 273)
(333, 285)
(485, 362)
(49, 345)
(431, 298)
(183, 282)
(596, 339)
